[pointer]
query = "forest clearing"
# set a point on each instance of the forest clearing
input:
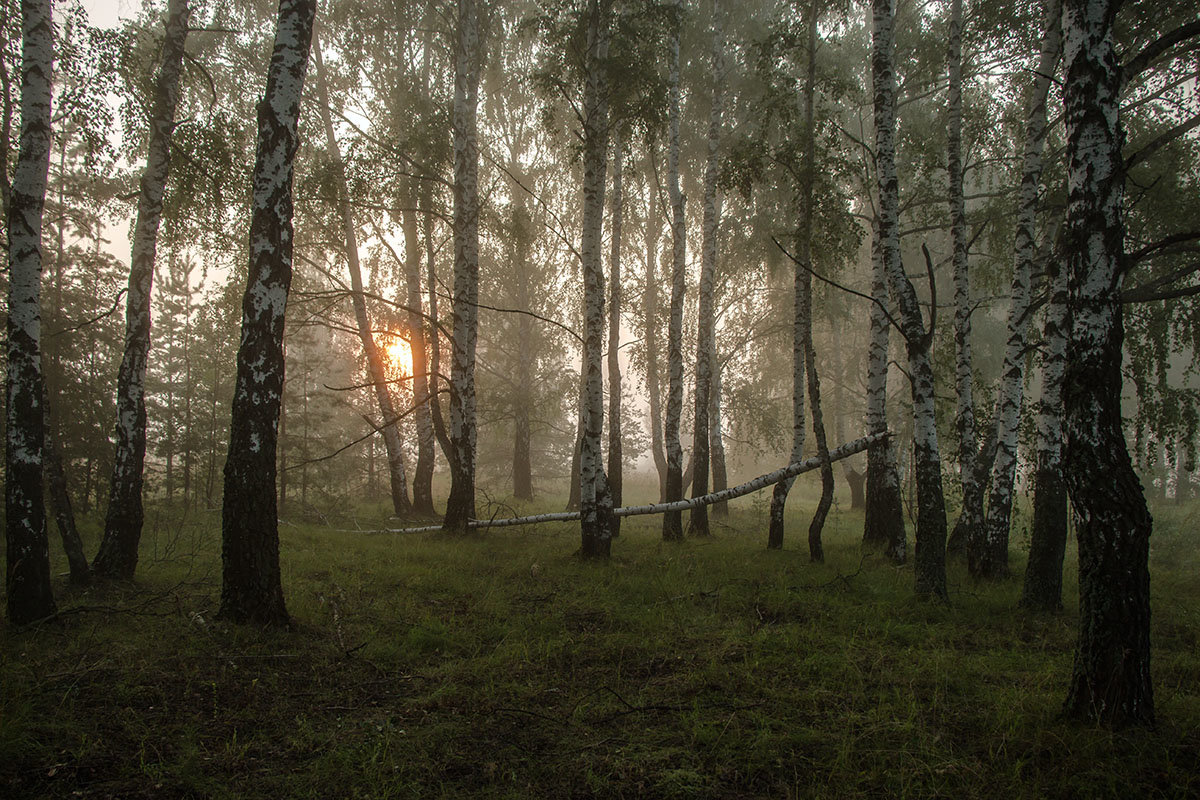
(600, 398)
(500, 665)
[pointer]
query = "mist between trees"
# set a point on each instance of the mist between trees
(472, 257)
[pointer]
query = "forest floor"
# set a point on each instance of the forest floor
(500, 665)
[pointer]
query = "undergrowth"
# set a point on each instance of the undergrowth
(500, 665)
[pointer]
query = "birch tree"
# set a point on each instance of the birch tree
(118, 553)
(1110, 681)
(988, 552)
(971, 517)
(615, 448)
(460, 506)
(1042, 589)
(251, 589)
(375, 367)
(930, 560)
(650, 315)
(595, 503)
(706, 322)
(27, 574)
(673, 521)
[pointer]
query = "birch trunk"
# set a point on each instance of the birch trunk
(60, 501)
(1110, 683)
(595, 514)
(118, 554)
(816, 551)
(650, 333)
(988, 557)
(930, 560)
(29, 595)
(1042, 590)
(970, 519)
(713, 498)
(615, 470)
(716, 438)
(673, 521)
(460, 506)
(435, 331)
(705, 323)
(375, 367)
(251, 589)
(422, 482)
(522, 463)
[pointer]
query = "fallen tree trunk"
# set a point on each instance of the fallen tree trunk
(761, 482)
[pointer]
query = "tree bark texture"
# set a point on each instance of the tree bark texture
(970, 519)
(522, 462)
(1042, 590)
(673, 521)
(118, 554)
(60, 502)
(988, 556)
(389, 422)
(716, 441)
(460, 506)
(650, 333)
(595, 515)
(27, 576)
(705, 322)
(1110, 683)
(615, 450)
(930, 557)
(422, 481)
(251, 589)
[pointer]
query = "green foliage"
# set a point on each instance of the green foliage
(500, 665)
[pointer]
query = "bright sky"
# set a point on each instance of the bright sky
(106, 13)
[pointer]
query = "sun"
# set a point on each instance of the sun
(399, 356)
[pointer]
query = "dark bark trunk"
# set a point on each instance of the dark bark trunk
(29, 595)
(60, 502)
(720, 476)
(615, 449)
(672, 523)
(422, 480)
(1110, 682)
(118, 553)
(650, 333)
(251, 588)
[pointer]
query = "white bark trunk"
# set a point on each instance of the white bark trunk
(672, 521)
(461, 504)
(705, 323)
(28, 550)
(615, 450)
(117, 557)
(991, 558)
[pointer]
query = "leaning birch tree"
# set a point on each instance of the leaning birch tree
(118, 554)
(251, 589)
(930, 557)
(460, 506)
(27, 573)
(1110, 682)
(376, 371)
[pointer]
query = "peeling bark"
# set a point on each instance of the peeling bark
(118, 554)
(27, 575)
(251, 589)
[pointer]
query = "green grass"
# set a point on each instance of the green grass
(499, 665)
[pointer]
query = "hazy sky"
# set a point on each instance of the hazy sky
(105, 13)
